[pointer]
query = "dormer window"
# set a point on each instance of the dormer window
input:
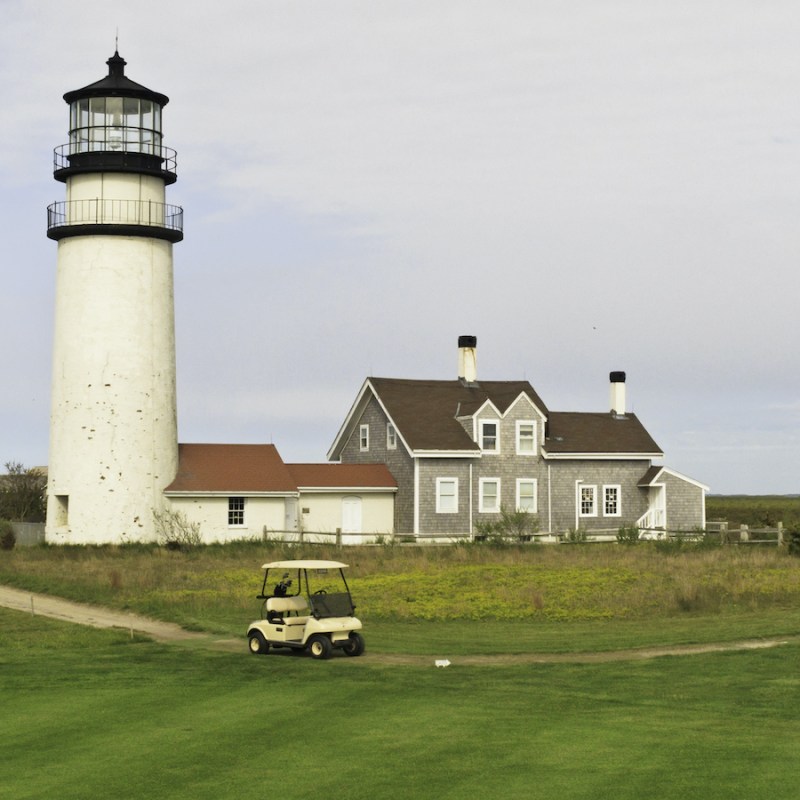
(489, 436)
(526, 437)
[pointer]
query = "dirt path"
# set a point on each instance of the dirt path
(98, 617)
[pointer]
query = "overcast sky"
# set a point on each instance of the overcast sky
(584, 185)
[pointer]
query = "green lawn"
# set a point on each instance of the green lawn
(92, 714)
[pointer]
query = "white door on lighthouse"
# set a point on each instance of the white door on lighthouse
(351, 515)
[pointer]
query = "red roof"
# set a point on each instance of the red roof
(231, 468)
(259, 469)
(350, 476)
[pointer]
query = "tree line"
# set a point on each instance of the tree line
(22, 493)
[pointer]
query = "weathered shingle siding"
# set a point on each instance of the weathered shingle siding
(685, 503)
(563, 493)
(508, 466)
(429, 470)
(400, 464)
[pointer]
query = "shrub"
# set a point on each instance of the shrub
(175, 531)
(8, 538)
(628, 534)
(512, 526)
(576, 536)
(792, 540)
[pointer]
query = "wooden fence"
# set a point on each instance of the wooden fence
(716, 531)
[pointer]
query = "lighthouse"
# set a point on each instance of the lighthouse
(113, 425)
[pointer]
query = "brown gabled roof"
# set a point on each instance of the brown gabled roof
(231, 468)
(338, 476)
(590, 433)
(425, 412)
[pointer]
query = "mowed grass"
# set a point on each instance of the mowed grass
(94, 714)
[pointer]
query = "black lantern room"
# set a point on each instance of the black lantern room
(115, 126)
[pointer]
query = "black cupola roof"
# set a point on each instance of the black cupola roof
(115, 84)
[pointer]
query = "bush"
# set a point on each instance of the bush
(8, 538)
(174, 530)
(628, 534)
(792, 539)
(513, 526)
(576, 536)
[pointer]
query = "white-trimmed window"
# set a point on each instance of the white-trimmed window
(391, 437)
(489, 430)
(236, 512)
(489, 495)
(588, 501)
(526, 495)
(363, 438)
(612, 501)
(526, 437)
(447, 495)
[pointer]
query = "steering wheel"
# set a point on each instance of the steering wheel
(320, 591)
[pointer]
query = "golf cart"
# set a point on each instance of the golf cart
(306, 606)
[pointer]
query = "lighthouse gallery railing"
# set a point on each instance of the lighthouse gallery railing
(115, 212)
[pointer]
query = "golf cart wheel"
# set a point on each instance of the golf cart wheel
(354, 646)
(257, 643)
(320, 646)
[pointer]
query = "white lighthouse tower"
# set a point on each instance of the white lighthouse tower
(113, 428)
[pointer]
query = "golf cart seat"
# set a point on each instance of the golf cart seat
(288, 610)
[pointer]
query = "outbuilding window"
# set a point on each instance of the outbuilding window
(236, 511)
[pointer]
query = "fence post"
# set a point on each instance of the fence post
(338, 537)
(723, 532)
(780, 534)
(744, 536)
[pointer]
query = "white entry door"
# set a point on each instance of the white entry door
(351, 515)
(658, 506)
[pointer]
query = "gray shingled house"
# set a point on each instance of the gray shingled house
(461, 449)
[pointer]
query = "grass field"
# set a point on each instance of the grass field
(96, 714)
(755, 510)
(91, 714)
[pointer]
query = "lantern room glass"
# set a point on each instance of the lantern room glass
(123, 124)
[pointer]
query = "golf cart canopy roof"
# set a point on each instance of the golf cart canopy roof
(304, 564)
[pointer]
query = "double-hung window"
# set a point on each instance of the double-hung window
(391, 437)
(612, 506)
(489, 497)
(489, 435)
(588, 501)
(236, 511)
(446, 495)
(363, 438)
(526, 495)
(526, 437)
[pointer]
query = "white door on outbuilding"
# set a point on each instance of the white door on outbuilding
(351, 515)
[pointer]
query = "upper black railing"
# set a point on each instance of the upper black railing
(87, 156)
